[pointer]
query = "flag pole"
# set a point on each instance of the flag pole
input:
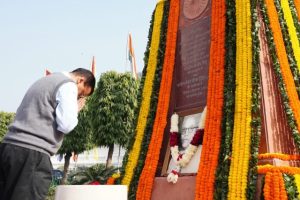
(93, 66)
(126, 53)
(132, 56)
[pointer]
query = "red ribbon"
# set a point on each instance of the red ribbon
(198, 137)
(174, 172)
(179, 157)
(173, 139)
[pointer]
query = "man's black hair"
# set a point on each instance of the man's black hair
(88, 75)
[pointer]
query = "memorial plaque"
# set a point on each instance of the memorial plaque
(190, 78)
(191, 66)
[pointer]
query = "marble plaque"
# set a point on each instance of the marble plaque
(191, 66)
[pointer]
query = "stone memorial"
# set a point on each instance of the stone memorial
(239, 63)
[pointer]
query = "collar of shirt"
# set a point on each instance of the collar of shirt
(67, 74)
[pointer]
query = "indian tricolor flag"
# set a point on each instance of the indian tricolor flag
(131, 57)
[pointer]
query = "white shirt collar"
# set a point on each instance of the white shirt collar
(67, 74)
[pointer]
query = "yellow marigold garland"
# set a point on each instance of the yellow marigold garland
(147, 91)
(242, 117)
(291, 29)
(297, 181)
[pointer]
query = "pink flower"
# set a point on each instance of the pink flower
(94, 183)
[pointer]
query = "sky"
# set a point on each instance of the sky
(61, 35)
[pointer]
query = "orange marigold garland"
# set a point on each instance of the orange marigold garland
(297, 5)
(211, 145)
(279, 156)
(264, 169)
(282, 190)
(147, 176)
(274, 186)
(268, 186)
(111, 180)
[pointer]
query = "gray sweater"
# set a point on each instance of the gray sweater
(35, 126)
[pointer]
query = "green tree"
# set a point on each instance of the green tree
(76, 141)
(5, 119)
(112, 108)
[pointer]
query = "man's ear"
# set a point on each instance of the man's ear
(80, 79)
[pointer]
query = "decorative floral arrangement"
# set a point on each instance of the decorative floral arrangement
(205, 179)
(281, 66)
(280, 156)
(292, 32)
(111, 180)
(274, 187)
(233, 102)
(283, 61)
(147, 91)
(161, 54)
(264, 169)
(238, 174)
(280, 182)
(146, 179)
(297, 181)
(182, 159)
(297, 6)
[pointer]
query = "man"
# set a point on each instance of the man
(48, 111)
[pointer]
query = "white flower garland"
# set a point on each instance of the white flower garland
(182, 160)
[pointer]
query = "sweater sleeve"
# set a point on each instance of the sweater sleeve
(67, 108)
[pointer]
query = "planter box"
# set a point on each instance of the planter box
(91, 192)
